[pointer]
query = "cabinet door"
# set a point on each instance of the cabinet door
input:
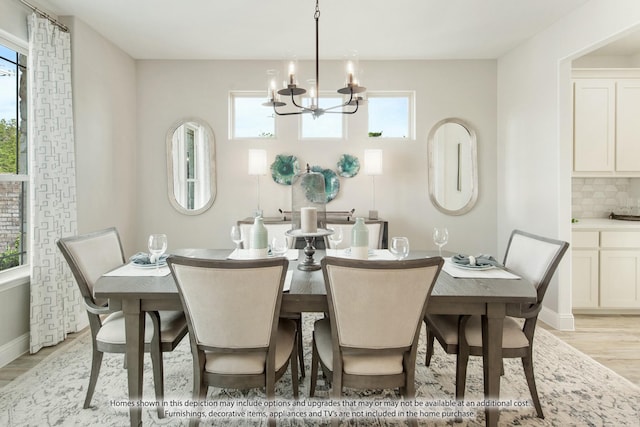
(594, 125)
(584, 279)
(619, 278)
(628, 125)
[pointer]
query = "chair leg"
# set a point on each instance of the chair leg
(156, 361)
(294, 368)
(527, 364)
(461, 373)
(300, 346)
(96, 362)
(430, 339)
(314, 369)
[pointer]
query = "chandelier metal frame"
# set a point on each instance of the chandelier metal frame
(352, 88)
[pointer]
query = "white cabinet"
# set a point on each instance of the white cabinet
(620, 269)
(605, 268)
(606, 131)
(627, 125)
(585, 269)
(594, 125)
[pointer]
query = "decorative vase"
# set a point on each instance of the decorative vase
(259, 239)
(360, 240)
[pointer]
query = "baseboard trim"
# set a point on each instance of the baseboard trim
(14, 349)
(561, 322)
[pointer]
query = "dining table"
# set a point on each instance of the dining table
(462, 294)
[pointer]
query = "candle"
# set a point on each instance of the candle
(309, 220)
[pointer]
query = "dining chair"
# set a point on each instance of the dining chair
(232, 309)
(369, 339)
(375, 228)
(91, 255)
(277, 228)
(532, 257)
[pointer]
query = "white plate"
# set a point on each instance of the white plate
(162, 264)
(474, 267)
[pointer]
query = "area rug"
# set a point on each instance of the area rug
(574, 390)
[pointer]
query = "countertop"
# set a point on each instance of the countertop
(605, 224)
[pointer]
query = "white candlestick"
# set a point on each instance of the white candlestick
(309, 220)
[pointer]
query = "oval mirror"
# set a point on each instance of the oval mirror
(191, 166)
(453, 170)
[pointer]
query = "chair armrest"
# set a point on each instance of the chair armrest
(96, 309)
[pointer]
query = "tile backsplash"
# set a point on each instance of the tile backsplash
(598, 197)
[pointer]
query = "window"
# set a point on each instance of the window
(13, 158)
(249, 118)
(326, 126)
(391, 115)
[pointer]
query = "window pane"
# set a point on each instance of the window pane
(13, 159)
(326, 126)
(251, 119)
(389, 117)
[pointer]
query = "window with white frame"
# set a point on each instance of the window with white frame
(391, 115)
(13, 157)
(249, 118)
(328, 125)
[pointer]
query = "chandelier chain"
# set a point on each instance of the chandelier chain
(317, 14)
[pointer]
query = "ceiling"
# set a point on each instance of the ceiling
(275, 29)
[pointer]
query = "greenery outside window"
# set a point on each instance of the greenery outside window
(13, 158)
(391, 115)
(249, 118)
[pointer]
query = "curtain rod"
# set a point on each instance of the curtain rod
(46, 16)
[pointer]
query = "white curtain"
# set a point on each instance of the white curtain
(56, 304)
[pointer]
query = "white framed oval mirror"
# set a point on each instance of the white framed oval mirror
(191, 166)
(453, 168)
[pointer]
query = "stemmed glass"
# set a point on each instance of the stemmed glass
(236, 236)
(157, 246)
(440, 237)
(399, 247)
(336, 237)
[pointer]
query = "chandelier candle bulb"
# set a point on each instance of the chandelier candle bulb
(309, 220)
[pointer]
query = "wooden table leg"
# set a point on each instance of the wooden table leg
(492, 326)
(134, 331)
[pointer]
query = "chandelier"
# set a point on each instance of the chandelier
(351, 88)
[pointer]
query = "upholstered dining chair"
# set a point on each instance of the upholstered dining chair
(91, 255)
(530, 256)
(278, 229)
(370, 338)
(232, 309)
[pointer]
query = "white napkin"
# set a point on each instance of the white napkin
(374, 254)
(493, 273)
(292, 254)
(133, 270)
(287, 281)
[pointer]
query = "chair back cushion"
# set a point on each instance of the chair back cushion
(230, 304)
(375, 235)
(378, 304)
(91, 255)
(534, 257)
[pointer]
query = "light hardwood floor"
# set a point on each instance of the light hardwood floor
(613, 341)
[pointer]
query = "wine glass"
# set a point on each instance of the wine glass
(279, 245)
(440, 237)
(236, 236)
(336, 238)
(399, 247)
(157, 246)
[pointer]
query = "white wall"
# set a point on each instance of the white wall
(170, 90)
(104, 97)
(534, 131)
